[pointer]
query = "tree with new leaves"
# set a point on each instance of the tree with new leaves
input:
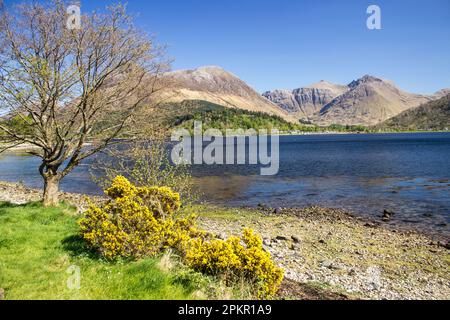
(74, 89)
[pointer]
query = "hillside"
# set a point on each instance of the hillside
(219, 117)
(215, 85)
(434, 115)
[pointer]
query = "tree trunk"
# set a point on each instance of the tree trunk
(51, 191)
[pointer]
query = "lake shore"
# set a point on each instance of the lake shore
(17, 193)
(331, 249)
(328, 250)
(26, 147)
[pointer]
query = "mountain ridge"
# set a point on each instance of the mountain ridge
(369, 100)
(366, 101)
(305, 101)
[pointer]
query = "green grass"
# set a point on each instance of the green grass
(38, 245)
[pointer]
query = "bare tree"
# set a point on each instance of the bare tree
(74, 89)
(145, 163)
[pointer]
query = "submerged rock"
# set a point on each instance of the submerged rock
(277, 210)
(387, 215)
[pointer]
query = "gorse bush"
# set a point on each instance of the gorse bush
(136, 222)
(241, 257)
(141, 221)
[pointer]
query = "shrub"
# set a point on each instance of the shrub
(140, 222)
(136, 222)
(242, 257)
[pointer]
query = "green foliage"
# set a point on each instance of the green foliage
(19, 124)
(222, 118)
(348, 128)
(137, 222)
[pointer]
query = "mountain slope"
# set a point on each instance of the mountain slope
(215, 85)
(304, 102)
(434, 115)
(219, 117)
(441, 93)
(368, 101)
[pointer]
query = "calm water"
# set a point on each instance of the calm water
(406, 173)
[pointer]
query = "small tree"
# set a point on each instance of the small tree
(145, 163)
(72, 86)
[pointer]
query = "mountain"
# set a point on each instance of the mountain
(434, 115)
(304, 102)
(368, 101)
(365, 101)
(441, 93)
(215, 85)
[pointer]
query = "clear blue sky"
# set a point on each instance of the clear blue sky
(290, 43)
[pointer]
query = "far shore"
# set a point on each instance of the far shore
(26, 147)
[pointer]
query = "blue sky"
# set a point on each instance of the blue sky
(290, 43)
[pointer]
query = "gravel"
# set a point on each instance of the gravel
(345, 254)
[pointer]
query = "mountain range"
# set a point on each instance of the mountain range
(365, 101)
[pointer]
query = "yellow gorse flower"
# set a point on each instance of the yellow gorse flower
(139, 222)
(239, 256)
(135, 222)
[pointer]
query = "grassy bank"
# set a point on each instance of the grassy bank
(38, 246)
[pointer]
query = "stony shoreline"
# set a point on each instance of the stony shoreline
(332, 250)
(17, 193)
(327, 250)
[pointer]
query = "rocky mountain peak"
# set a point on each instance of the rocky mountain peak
(321, 84)
(367, 100)
(305, 101)
(364, 80)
